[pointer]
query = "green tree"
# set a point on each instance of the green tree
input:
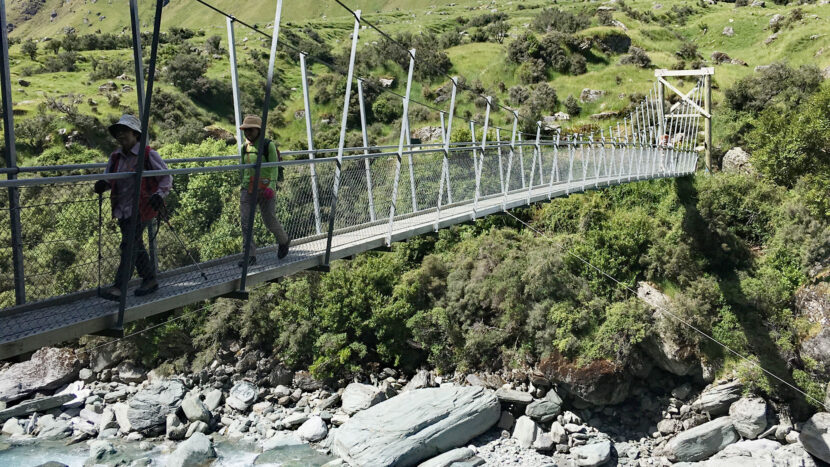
(29, 47)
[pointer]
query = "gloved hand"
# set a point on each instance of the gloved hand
(267, 193)
(101, 186)
(156, 201)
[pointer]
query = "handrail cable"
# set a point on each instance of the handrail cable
(669, 313)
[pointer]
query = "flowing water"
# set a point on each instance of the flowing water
(230, 454)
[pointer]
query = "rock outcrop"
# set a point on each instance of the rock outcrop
(815, 436)
(48, 369)
(701, 441)
(149, 408)
(416, 425)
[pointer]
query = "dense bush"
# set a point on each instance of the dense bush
(636, 56)
(109, 69)
(554, 19)
(778, 84)
(572, 106)
(29, 48)
(518, 94)
(386, 108)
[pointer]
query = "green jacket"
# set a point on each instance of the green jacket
(268, 175)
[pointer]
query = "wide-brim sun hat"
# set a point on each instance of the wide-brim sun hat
(251, 121)
(127, 121)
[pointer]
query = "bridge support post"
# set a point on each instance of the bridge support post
(127, 254)
(480, 164)
(237, 107)
(475, 167)
(499, 155)
(310, 141)
(342, 143)
(554, 170)
(10, 155)
(707, 129)
(533, 162)
(571, 156)
(404, 134)
(260, 146)
(139, 89)
(366, 164)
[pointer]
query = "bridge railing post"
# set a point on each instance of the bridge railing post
(315, 196)
(10, 155)
(341, 145)
(571, 155)
(366, 164)
(445, 163)
(533, 163)
(510, 160)
(411, 166)
(554, 171)
(499, 155)
(399, 162)
(522, 159)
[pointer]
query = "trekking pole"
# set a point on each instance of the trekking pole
(164, 217)
(100, 221)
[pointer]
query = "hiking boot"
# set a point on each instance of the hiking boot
(113, 293)
(251, 261)
(147, 287)
(282, 251)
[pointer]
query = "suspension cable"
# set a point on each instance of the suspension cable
(667, 312)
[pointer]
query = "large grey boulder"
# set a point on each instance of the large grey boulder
(512, 396)
(717, 399)
(242, 395)
(591, 455)
(148, 409)
(48, 369)
(194, 409)
(12, 427)
(56, 429)
(526, 431)
(449, 458)
(757, 453)
(213, 399)
(129, 372)
(197, 450)
(416, 425)
(545, 410)
(736, 160)
(815, 436)
(357, 397)
(749, 416)
(701, 441)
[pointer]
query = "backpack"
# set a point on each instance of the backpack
(149, 185)
(280, 175)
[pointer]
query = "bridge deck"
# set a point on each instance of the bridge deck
(29, 327)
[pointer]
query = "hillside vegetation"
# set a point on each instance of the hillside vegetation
(730, 251)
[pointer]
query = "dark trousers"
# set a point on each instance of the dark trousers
(141, 259)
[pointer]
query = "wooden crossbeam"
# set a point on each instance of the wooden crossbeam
(686, 99)
(701, 72)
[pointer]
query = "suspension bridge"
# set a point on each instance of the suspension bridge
(333, 202)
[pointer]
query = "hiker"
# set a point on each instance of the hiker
(269, 176)
(127, 131)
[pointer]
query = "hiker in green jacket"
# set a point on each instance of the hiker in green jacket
(252, 126)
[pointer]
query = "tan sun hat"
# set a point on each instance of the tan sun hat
(128, 121)
(251, 121)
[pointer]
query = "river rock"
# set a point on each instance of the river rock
(449, 458)
(357, 397)
(174, 428)
(757, 453)
(194, 409)
(12, 427)
(416, 425)
(101, 452)
(669, 426)
(749, 416)
(526, 431)
(716, 400)
(48, 369)
(38, 405)
(196, 427)
(197, 450)
(701, 441)
(56, 429)
(545, 410)
(242, 395)
(591, 455)
(121, 410)
(306, 382)
(213, 399)
(512, 396)
(737, 160)
(129, 372)
(281, 439)
(314, 429)
(422, 379)
(148, 409)
(815, 436)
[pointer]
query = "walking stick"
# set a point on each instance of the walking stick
(100, 221)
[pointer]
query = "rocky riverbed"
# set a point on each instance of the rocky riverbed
(246, 408)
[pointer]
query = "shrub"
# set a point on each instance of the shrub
(688, 51)
(108, 69)
(543, 99)
(213, 45)
(185, 70)
(572, 106)
(33, 131)
(498, 31)
(523, 48)
(531, 71)
(577, 64)
(387, 109)
(518, 94)
(29, 48)
(636, 56)
(554, 19)
(778, 84)
(63, 61)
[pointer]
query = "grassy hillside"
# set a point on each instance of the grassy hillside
(659, 31)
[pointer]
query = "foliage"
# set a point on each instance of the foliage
(778, 85)
(29, 48)
(572, 106)
(34, 131)
(554, 19)
(636, 56)
(386, 108)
